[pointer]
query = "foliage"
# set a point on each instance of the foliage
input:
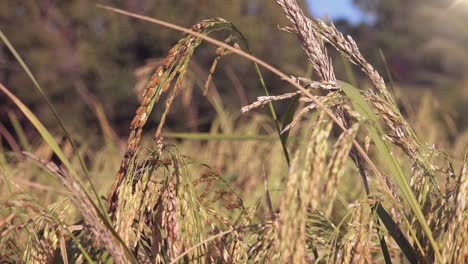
(361, 186)
(425, 46)
(71, 46)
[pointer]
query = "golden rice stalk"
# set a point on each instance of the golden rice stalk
(312, 45)
(383, 103)
(163, 212)
(238, 249)
(336, 165)
(456, 237)
(220, 52)
(320, 233)
(29, 232)
(167, 219)
(263, 250)
(323, 85)
(306, 170)
(264, 100)
(177, 86)
(215, 189)
(43, 249)
(357, 241)
(87, 209)
(174, 64)
(330, 100)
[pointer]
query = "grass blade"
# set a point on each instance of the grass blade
(378, 136)
(19, 131)
(287, 118)
(43, 129)
(55, 147)
(395, 232)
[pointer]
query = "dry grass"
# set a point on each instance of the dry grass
(359, 189)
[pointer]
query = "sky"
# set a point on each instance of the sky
(337, 9)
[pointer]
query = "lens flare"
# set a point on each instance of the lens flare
(456, 3)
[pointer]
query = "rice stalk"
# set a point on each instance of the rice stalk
(174, 65)
(306, 170)
(310, 29)
(257, 62)
(89, 212)
(336, 165)
(164, 212)
(357, 242)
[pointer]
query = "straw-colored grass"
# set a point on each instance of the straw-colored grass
(361, 185)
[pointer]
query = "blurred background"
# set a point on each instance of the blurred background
(92, 62)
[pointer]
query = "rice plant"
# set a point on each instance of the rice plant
(341, 177)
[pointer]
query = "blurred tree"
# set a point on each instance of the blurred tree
(422, 38)
(70, 44)
(425, 44)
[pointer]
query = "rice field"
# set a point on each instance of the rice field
(343, 176)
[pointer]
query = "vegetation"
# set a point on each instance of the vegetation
(71, 46)
(424, 45)
(341, 176)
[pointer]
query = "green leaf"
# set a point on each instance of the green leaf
(287, 118)
(41, 129)
(378, 136)
(101, 210)
(396, 233)
(54, 112)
